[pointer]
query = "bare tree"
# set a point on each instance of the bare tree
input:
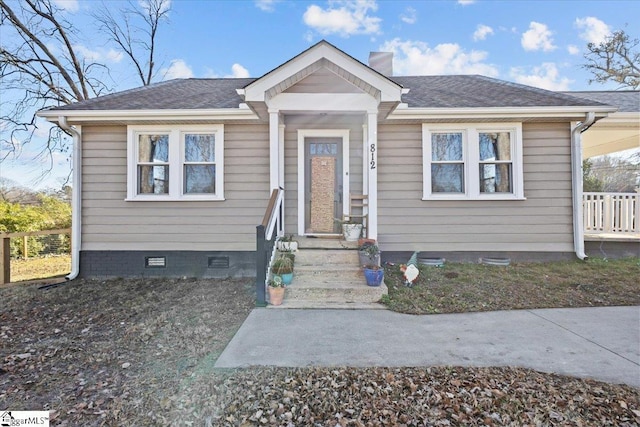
(137, 41)
(42, 64)
(616, 58)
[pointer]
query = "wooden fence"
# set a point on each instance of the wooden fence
(611, 213)
(5, 248)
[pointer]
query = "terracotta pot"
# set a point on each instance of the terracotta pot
(276, 295)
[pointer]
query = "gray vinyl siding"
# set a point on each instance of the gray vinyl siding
(111, 223)
(295, 123)
(541, 223)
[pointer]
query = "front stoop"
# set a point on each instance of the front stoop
(330, 278)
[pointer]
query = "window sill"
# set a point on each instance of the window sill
(175, 199)
(467, 198)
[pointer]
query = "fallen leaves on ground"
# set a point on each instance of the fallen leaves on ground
(140, 352)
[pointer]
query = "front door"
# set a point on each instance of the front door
(323, 185)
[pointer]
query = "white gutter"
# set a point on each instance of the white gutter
(76, 199)
(403, 112)
(576, 184)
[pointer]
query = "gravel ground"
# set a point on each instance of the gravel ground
(141, 353)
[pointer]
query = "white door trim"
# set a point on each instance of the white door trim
(319, 133)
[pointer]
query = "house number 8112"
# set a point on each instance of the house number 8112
(373, 156)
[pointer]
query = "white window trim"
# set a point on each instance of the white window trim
(176, 162)
(471, 160)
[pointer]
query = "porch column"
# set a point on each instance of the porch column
(372, 175)
(274, 149)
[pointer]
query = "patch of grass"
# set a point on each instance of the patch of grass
(457, 288)
(40, 267)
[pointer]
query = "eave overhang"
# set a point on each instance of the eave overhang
(136, 116)
(403, 113)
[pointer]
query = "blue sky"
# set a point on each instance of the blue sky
(538, 43)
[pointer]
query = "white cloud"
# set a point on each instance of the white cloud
(344, 17)
(98, 55)
(238, 71)
(417, 58)
(165, 5)
(593, 29)
(410, 15)
(466, 2)
(546, 76)
(266, 5)
(114, 55)
(537, 37)
(573, 49)
(178, 69)
(481, 32)
(68, 5)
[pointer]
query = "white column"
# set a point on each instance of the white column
(281, 150)
(274, 149)
(372, 161)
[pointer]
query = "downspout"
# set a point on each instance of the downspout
(576, 184)
(76, 197)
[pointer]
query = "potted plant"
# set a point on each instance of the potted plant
(276, 290)
(286, 243)
(283, 267)
(374, 274)
(351, 230)
(369, 253)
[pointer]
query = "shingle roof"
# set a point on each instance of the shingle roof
(172, 94)
(627, 101)
(474, 91)
(453, 91)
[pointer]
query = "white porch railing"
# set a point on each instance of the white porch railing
(611, 213)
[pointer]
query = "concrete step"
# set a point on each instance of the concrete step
(334, 294)
(298, 304)
(326, 258)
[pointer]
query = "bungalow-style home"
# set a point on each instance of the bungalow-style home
(172, 179)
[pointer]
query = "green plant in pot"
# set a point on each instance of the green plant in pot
(276, 290)
(283, 267)
(369, 253)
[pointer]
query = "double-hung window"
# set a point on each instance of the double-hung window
(472, 161)
(175, 163)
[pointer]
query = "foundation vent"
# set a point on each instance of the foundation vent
(155, 262)
(218, 262)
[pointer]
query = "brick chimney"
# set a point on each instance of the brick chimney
(382, 62)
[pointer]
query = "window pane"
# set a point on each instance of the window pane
(495, 146)
(153, 179)
(153, 148)
(447, 178)
(495, 178)
(200, 179)
(200, 148)
(446, 146)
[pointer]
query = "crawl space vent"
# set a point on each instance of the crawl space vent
(155, 262)
(218, 262)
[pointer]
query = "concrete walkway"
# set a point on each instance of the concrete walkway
(601, 343)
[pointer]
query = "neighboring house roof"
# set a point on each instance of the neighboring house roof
(627, 101)
(453, 91)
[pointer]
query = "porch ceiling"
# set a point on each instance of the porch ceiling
(618, 132)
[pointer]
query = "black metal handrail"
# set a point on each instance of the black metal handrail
(266, 234)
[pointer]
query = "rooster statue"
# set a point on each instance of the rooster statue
(410, 270)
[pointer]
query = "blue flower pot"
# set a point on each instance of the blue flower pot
(374, 277)
(287, 278)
